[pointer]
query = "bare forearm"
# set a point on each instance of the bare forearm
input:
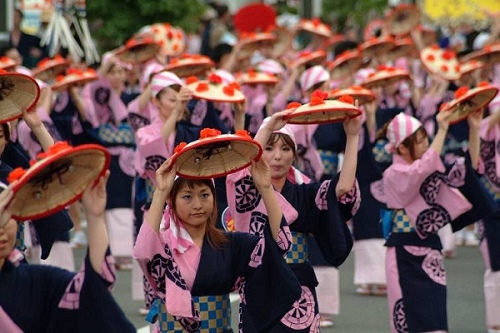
(348, 173)
(155, 213)
(438, 142)
(43, 136)
(98, 240)
(474, 146)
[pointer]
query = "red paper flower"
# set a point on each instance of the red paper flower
(174, 61)
(191, 79)
(444, 68)
(243, 133)
(435, 47)
(461, 91)
(447, 55)
(74, 71)
(487, 48)
(59, 78)
(180, 147)
(371, 75)
(293, 105)
(333, 91)
(252, 74)
(320, 94)
(443, 106)
(15, 174)
(357, 88)
(170, 34)
(202, 86)
(316, 100)
(430, 57)
(457, 68)
(228, 90)
(209, 133)
(316, 22)
(347, 99)
(234, 85)
(4, 59)
(483, 84)
(214, 78)
(43, 62)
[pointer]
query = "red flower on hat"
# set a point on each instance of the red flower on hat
(316, 22)
(435, 47)
(346, 99)
(191, 79)
(483, 84)
(214, 78)
(371, 75)
(447, 55)
(235, 85)
(228, 90)
(170, 34)
(43, 62)
(444, 68)
(316, 100)
(382, 67)
(443, 106)
(487, 48)
(357, 88)
(209, 133)
(252, 74)
(293, 105)
(202, 86)
(15, 174)
(430, 57)
(54, 149)
(174, 61)
(74, 71)
(457, 68)
(333, 91)
(59, 78)
(180, 147)
(243, 133)
(4, 59)
(461, 91)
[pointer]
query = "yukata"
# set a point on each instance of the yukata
(256, 98)
(318, 212)
(308, 158)
(36, 298)
(140, 118)
(424, 196)
(489, 227)
(66, 119)
(194, 297)
(107, 113)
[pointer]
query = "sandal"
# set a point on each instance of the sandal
(326, 322)
(364, 289)
(379, 290)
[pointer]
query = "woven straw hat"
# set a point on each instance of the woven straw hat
(215, 154)
(7, 63)
(47, 69)
(376, 46)
(74, 76)
(362, 95)
(138, 49)
(402, 19)
(56, 179)
(213, 89)
(284, 41)
(320, 110)
(403, 47)
(345, 64)
(253, 77)
(315, 26)
(441, 62)
(385, 76)
(18, 92)
(467, 101)
(171, 39)
(489, 55)
(470, 66)
(189, 64)
(251, 42)
(309, 58)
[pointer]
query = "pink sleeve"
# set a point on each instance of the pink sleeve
(88, 101)
(279, 102)
(134, 106)
(428, 106)
(402, 181)
(151, 152)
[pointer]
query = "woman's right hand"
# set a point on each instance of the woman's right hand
(443, 119)
(277, 120)
(5, 203)
(165, 176)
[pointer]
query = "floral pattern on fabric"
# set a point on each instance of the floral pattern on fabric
(433, 266)
(247, 196)
(399, 317)
(302, 314)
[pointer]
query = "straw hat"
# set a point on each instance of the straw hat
(47, 69)
(171, 39)
(213, 89)
(428, 35)
(345, 64)
(74, 76)
(138, 49)
(385, 76)
(470, 66)
(441, 62)
(467, 101)
(315, 26)
(18, 92)
(402, 19)
(403, 47)
(215, 154)
(362, 95)
(7, 63)
(189, 64)
(284, 41)
(373, 29)
(251, 41)
(333, 41)
(376, 46)
(320, 110)
(253, 77)
(489, 55)
(56, 179)
(309, 58)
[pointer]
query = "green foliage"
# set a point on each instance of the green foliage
(114, 21)
(361, 11)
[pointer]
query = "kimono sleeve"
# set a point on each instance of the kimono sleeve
(151, 151)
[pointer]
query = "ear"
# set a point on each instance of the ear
(403, 150)
(155, 101)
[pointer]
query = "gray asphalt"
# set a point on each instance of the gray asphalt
(369, 314)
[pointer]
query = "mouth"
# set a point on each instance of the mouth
(198, 215)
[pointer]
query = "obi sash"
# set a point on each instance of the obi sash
(297, 254)
(401, 222)
(330, 161)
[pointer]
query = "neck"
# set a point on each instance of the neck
(278, 183)
(197, 233)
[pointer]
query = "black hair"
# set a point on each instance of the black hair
(221, 50)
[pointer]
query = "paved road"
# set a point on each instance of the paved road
(369, 314)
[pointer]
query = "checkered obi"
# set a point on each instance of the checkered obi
(379, 152)
(330, 161)
(489, 188)
(215, 314)
(401, 222)
(297, 254)
(20, 245)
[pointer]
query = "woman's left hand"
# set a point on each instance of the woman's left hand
(261, 174)
(95, 196)
(5, 204)
(474, 119)
(32, 118)
(353, 125)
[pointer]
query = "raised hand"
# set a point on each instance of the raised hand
(94, 197)
(261, 174)
(5, 203)
(165, 176)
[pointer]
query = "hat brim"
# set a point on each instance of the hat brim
(487, 57)
(138, 53)
(249, 46)
(189, 69)
(345, 68)
(363, 96)
(321, 31)
(215, 93)
(18, 92)
(58, 180)
(316, 58)
(376, 49)
(472, 101)
(73, 79)
(401, 21)
(384, 80)
(260, 78)
(216, 157)
(433, 67)
(400, 51)
(329, 112)
(50, 71)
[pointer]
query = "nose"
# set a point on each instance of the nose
(197, 203)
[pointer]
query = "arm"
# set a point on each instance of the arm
(239, 115)
(35, 124)
(183, 96)
(5, 203)
(94, 203)
(347, 177)
(443, 122)
(275, 123)
(77, 98)
(261, 174)
(144, 98)
(165, 176)
(474, 120)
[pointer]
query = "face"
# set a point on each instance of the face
(421, 145)
(3, 141)
(194, 206)
(7, 240)
(165, 102)
(279, 156)
(117, 76)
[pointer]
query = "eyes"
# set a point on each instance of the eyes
(203, 196)
(283, 148)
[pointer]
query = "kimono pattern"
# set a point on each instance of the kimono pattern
(35, 298)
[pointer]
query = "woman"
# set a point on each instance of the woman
(36, 298)
(179, 247)
(320, 209)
